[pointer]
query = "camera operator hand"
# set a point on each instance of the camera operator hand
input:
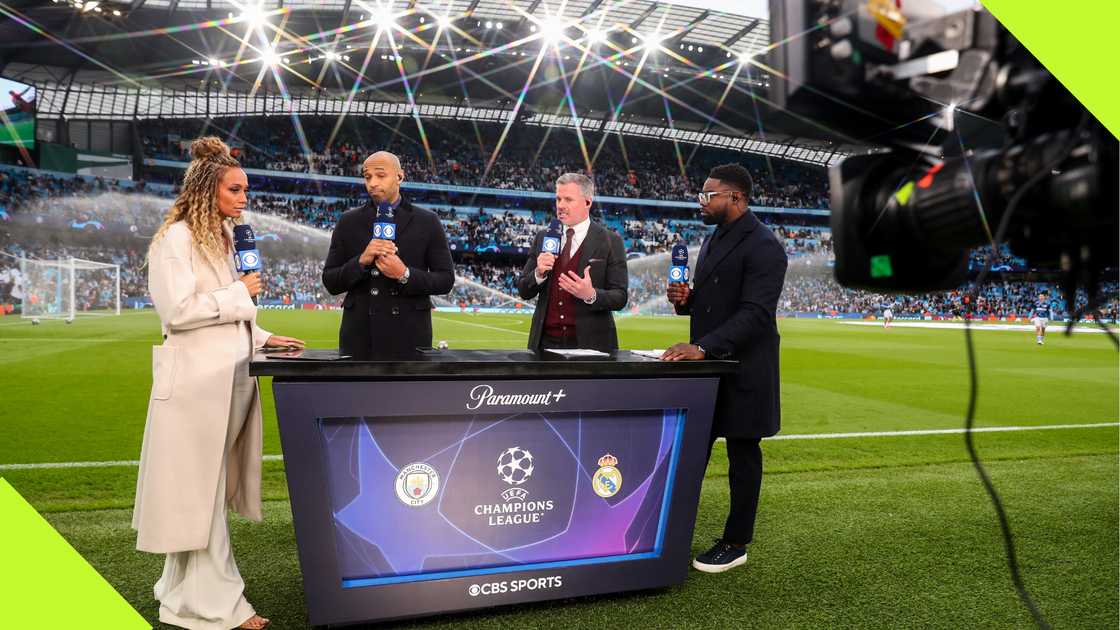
(253, 283)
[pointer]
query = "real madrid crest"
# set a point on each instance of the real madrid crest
(608, 479)
(417, 484)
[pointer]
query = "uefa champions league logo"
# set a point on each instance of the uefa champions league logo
(515, 465)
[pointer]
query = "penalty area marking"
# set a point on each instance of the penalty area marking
(796, 436)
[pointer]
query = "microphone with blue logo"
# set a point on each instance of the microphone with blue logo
(384, 226)
(247, 257)
(678, 265)
(551, 243)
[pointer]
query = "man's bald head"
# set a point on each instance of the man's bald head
(383, 157)
(383, 175)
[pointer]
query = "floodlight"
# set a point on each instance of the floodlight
(269, 57)
(254, 16)
(552, 29)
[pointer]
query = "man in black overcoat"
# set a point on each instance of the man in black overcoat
(733, 299)
(387, 311)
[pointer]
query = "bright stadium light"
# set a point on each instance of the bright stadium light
(652, 41)
(596, 36)
(383, 17)
(552, 29)
(254, 16)
(745, 57)
(269, 57)
(443, 21)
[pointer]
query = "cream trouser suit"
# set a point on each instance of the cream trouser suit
(202, 589)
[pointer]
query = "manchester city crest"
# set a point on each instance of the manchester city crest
(608, 479)
(417, 484)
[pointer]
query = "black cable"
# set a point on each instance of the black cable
(1001, 513)
(974, 388)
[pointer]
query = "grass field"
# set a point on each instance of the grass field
(871, 532)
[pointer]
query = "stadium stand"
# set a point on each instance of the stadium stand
(48, 215)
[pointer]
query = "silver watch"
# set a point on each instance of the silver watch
(404, 279)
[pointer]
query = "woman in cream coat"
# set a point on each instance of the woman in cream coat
(202, 439)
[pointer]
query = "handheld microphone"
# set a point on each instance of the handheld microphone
(551, 243)
(245, 244)
(678, 267)
(247, 257)
(383, 225)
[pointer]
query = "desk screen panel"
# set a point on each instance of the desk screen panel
(429, 497)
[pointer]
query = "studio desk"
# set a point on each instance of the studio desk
(468, 479)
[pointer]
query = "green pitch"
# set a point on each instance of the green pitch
(885, 531)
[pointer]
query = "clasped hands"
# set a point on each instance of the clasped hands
(383, 254)
(571, 282)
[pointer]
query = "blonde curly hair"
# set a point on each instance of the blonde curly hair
(197, 203)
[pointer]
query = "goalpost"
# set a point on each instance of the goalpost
(68, 288)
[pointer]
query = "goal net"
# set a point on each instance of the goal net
(68, 288)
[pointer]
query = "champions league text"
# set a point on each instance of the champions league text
(514, 513)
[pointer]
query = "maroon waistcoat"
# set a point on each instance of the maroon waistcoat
(560, 318)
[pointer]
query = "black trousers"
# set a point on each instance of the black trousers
(744, 475)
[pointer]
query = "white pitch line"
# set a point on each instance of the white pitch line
(1057, 328)
(505, 330)
(796, 436)
(120, 463)
(841, 436)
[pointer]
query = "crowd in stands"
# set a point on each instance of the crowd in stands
(48, 216)
(530, 159)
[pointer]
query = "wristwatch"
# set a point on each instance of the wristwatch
(702, 350)
(404, 279)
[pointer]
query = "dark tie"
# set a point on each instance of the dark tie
(567, 253)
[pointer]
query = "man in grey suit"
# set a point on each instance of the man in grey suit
(577, 289)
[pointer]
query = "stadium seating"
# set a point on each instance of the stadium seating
(111, 220)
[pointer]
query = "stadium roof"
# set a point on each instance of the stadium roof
(612, 61)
